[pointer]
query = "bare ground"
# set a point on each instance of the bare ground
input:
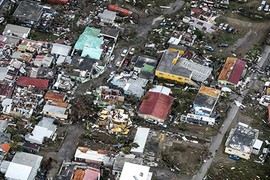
(256, 34)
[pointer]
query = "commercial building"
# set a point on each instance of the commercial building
(24, 166)
(135, 171)
(28, 13)
(140, 138)
(17, 31)
(242, 141)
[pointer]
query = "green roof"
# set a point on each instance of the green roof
(147, 68)
(90, 42)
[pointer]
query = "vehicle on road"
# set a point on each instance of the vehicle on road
(234, 157)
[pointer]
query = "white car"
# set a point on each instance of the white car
(118, 63)
(132, 50)
(260, 8)
(266, 8)
(124, 53)
(220, 25)
(225, 26)
(2, 19)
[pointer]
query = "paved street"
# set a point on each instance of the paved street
(227, 122)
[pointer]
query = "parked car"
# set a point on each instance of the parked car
(162, 125)
(220, 25)
(260, 8)
(230, 29)
(118, 63)
(266, 8)
(152, 121)
(209, 48)
(234, 157)
(126, 62)
(124, 53)
(223, 44)
(225, 26)
(132, 50)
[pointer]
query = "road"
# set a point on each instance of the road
(227, 122)
(67, 150)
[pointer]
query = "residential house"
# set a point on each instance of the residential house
(30, 148)
(89, 43)
(24, 166)
(107, 16)
(135, 87)
(241, 141)
(84, 154)
(4, 144)
(110, 32)
(231, 72)
(25, 99)
(64, 83)
(28, 13)
(28, 81)
(86, 174)
(106, 96)
(44, 129)
(197, 119)
(17, 31)
(56, 110)
(115, 120)
(120, 161)
(43, 60)
(55, 96)
(6, 90)
(83, 69)
(156, 106)
(145, 66)
(205, 101)
(135, 171)
(140, 138)
(60, 52)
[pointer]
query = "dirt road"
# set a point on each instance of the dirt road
(67, 150)
(256, 34)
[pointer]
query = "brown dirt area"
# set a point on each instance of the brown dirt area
(186, 156)
(256, 34)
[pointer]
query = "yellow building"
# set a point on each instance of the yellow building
(168, 68)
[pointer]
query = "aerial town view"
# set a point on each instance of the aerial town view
(134, 89)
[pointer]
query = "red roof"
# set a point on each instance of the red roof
(5, 147)
(237, 71)
(29, 81)
(156, 104)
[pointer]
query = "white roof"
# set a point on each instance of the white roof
(18, 171)
(258, 144)
(19, 31)
(38, 134)
(89, 155)
(23, 166)
(135, 172)
(161, 89)
(140, 139)
(3, 73)
(174, 41)
(60, 49)
(54, 109)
